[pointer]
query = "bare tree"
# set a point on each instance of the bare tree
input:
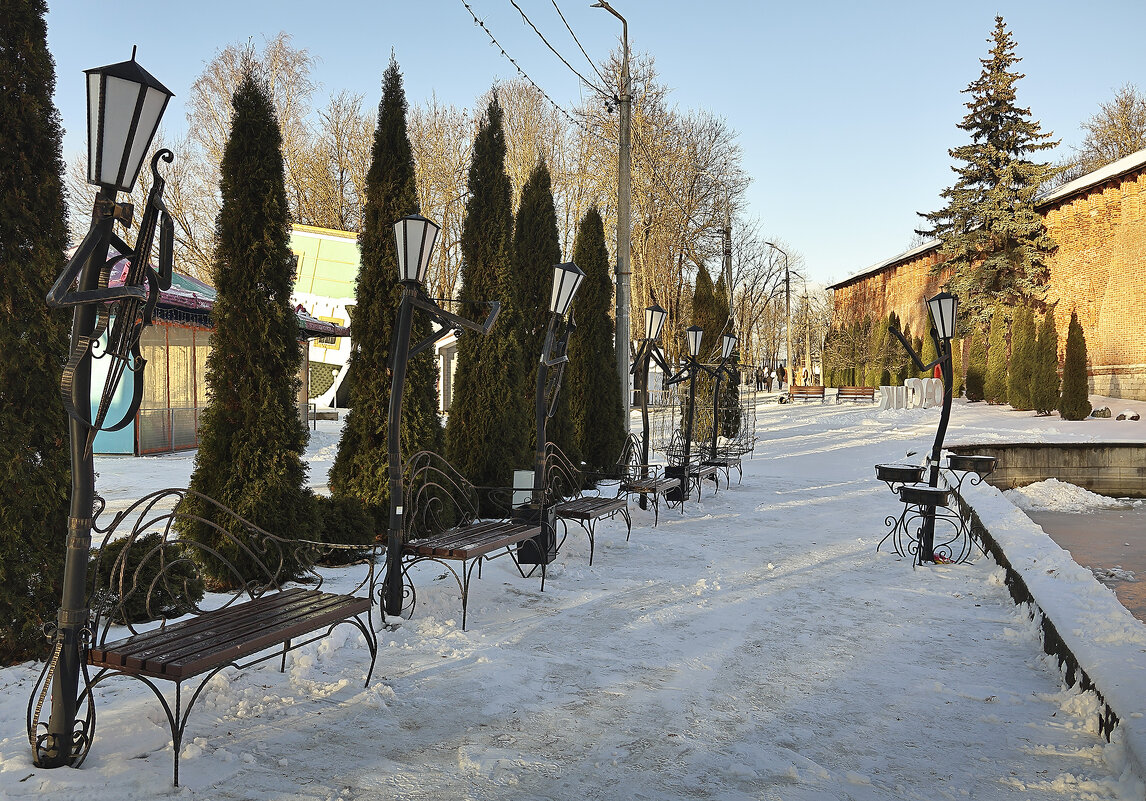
(1116, 131)
(442, 139)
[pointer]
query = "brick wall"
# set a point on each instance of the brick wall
(1098, 271)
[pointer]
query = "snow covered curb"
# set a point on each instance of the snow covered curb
(1097, 641)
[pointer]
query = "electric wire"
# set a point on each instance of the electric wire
(525, 75)
(584, 80)
(592, 63)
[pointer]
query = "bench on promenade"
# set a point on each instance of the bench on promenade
(154, 572)
(854, 394)
(565, 485)
(647, 481)
(806, 393)
(690, 467)
(448, 520)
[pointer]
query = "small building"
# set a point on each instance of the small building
(325, 277)
(175, 348)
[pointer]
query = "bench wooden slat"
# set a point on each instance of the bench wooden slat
(467, 542)
(590, 507)
(214, 639)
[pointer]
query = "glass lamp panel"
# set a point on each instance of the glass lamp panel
(94, 92)
(119, 98)
(654, 321)
(695, 334)
(154, 102)
(566, 280)
(728, 344)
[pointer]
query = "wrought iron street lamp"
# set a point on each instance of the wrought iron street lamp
(567, 280)
(125, 105)
(943, 309)
(727, 346)
(415, 236)
(648, 351)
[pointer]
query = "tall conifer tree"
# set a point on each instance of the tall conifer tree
(591, 379)
(536, 248)
(991, 234)
(485, 436)
(1023, 359)
(34, 463)
(976, 365)
(251, 437)
(995, 385)
(1044, 377)
(360, 468)
(1075, 401)
(730, 384)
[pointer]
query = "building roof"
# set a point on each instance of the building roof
(1127, 164)
(190, 300)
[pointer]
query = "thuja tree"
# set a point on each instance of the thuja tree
(251, 436)
(591, 380)
(360, 466)
(33, 425)
(729, 387)
(1075, 401)
(995, 383)
(706, 315)
(536, 248)
(880, 348)
(485, 437)
(928, 354)
(1023, 358)
(1044, 377)
(991, 234)
(957, 367)
(976, 365)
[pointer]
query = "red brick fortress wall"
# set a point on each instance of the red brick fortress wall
(1098, 271)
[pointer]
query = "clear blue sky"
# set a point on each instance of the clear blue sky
(845, 110)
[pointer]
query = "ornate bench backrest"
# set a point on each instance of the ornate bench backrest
(562, 479)
(148, 568)
(437, 497)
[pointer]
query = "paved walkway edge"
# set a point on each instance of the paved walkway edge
(1098, 643)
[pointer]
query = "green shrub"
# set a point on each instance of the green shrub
(150, 569)
(1075, 401)
(344, 520)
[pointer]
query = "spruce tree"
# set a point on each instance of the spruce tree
(591, 380)
(536, 249)
(34, 458)
(485, 437)
(360, 467)
(976, 366)
(1044, 377)
(990, 232)
(1075, 401)
(995, 384)
(251, 436)
(1023, 359)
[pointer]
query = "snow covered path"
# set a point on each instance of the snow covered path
(756, 647)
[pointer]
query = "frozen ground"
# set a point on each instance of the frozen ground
(756, 647)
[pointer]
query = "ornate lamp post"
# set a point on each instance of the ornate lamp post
(125, 104)
(727, 345)
(567, 280)
(648, 351)
(943, 308)
(416, 237)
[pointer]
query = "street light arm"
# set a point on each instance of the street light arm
(923, 368)
(450, 322)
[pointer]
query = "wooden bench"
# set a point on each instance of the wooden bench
(447, 519)
(647, 481)
(147, 575)
(690, 467)
(806, 393)
(853, 394)
(565, 485)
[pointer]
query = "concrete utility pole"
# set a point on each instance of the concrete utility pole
(624, 223)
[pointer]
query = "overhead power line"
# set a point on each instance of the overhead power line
(592, 63)
(584, 80)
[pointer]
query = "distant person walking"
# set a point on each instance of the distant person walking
(783, 377)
